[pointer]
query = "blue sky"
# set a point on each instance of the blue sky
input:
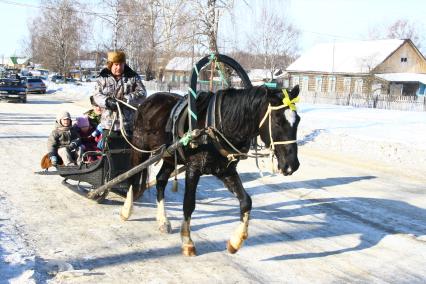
(319, 20)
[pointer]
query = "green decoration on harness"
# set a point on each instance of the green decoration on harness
(192, 93)
(193, 114)
(196, 70)
(186, 139)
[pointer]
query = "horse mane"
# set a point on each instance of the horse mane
(241, 111)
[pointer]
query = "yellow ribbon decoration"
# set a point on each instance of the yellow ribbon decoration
(290, 103)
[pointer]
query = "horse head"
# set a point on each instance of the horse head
(278, 128)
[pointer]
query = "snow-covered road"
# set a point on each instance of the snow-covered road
(337, 219)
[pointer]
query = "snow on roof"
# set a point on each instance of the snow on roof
(87, 64)
(346, 57)
(260, 74)
(403, 77)
(181, 64)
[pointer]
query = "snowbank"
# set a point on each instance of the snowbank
(392, 137)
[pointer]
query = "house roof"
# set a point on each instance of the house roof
(261, 74)
(180, 64)
(403, 77)
(87, 64)
(346, 57)
(18, 60)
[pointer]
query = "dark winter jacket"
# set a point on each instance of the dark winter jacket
(128, 88)
(61, 136)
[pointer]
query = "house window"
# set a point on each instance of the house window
(318, 84)
(403, 59)
(347, 85)
(331, 84)
(173, 77)
(305, 84)
(358, 86)
(296, 80)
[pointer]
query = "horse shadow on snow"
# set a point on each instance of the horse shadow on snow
(370, 218)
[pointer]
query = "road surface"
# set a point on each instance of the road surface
(337, 219)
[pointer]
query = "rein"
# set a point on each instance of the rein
(123, 131)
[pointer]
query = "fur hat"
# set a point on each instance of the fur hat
(82, 121)
(63, 115)
(116, 57)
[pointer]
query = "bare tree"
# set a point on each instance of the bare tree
(114, 18)
(205, 19)
(57, 34)
(148, 30)
(400, 29)
(274, 40)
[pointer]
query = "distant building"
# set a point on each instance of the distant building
(261, 76)
(178, 70)
(381, 66)
(16, 62)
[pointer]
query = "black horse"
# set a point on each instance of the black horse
(244, 114)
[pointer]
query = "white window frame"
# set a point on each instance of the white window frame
(358, 86)
(296, 81)
(331, 84)
(318, 84)
(305, 84)
(347, 85)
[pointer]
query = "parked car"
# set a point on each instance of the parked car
(57, 79)
(13, 90)
(70, 80)
(90, 78)
(35, 85)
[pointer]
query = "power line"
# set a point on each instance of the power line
(103, 15)
(99, 14)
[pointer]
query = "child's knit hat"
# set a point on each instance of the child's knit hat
(82, 121)
(63, 115)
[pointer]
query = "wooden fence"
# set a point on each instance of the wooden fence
(406, 103)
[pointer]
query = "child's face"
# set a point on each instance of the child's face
(65, 121)
(97, 109)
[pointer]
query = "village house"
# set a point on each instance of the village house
(178, 70)
(17, 62)
(392, 66)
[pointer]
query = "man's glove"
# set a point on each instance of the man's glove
(74, 144)
(54, 160)
(111, 103)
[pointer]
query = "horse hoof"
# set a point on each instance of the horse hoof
(230, 248)
(188, 250)
(124, 218)
(165, 228)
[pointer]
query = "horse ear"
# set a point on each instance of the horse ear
(294, 92)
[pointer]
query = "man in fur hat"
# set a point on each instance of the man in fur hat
(118, 81)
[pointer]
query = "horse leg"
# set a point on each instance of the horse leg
(162, 178)
(191, 181)
(233, 182)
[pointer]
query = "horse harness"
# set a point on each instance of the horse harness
(213, 125)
